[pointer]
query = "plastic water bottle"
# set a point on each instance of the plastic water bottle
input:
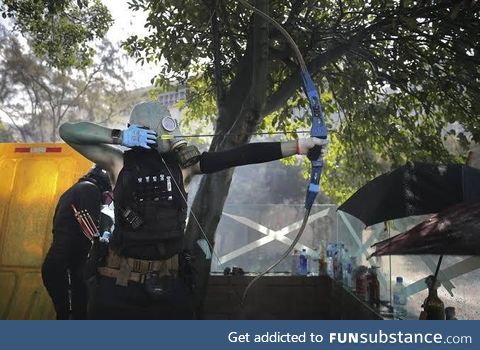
(346, 267)
(373, 287)
(399, 299)
(294, 262)
(315, 263)
(331, 247)
(322, 260)
(337, 262)
(303, 263)
(352, 270)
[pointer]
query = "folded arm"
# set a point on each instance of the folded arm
(94, 142)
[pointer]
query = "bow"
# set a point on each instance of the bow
(318, 130)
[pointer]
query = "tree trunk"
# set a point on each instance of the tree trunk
(239, 115)
(208, 206)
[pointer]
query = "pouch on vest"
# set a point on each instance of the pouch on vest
(160, 287)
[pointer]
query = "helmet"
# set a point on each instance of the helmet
(99, 177)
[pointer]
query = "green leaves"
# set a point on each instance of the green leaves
(394, 76)
(60, 32)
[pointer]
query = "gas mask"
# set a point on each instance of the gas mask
(156, 117)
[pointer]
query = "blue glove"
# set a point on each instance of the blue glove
(138, 136)
(105, 237)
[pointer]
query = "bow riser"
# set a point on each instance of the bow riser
(318, 130)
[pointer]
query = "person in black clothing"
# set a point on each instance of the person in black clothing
(146, 272)
(62, 269)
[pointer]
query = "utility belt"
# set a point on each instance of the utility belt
(137, 270)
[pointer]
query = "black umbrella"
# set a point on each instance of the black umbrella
(413, 189)
(454, 231)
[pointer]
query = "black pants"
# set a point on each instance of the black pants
(111, 302)
(65, 285)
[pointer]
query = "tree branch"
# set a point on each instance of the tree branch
(259, 58)
(217, 61)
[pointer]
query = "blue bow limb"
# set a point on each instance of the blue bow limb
(319, 130)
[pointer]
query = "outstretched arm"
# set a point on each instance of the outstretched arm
(253, 153)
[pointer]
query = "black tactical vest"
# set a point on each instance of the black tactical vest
(150, 212)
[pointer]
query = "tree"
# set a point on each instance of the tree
(52, 77)
(37, 98)
(4, 134)
(60, 31)
(393, 76)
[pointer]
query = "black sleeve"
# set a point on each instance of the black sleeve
(88, 197)
(251, 153)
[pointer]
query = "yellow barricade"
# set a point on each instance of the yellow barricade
(32, 178)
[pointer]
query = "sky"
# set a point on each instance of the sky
(126, 23)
